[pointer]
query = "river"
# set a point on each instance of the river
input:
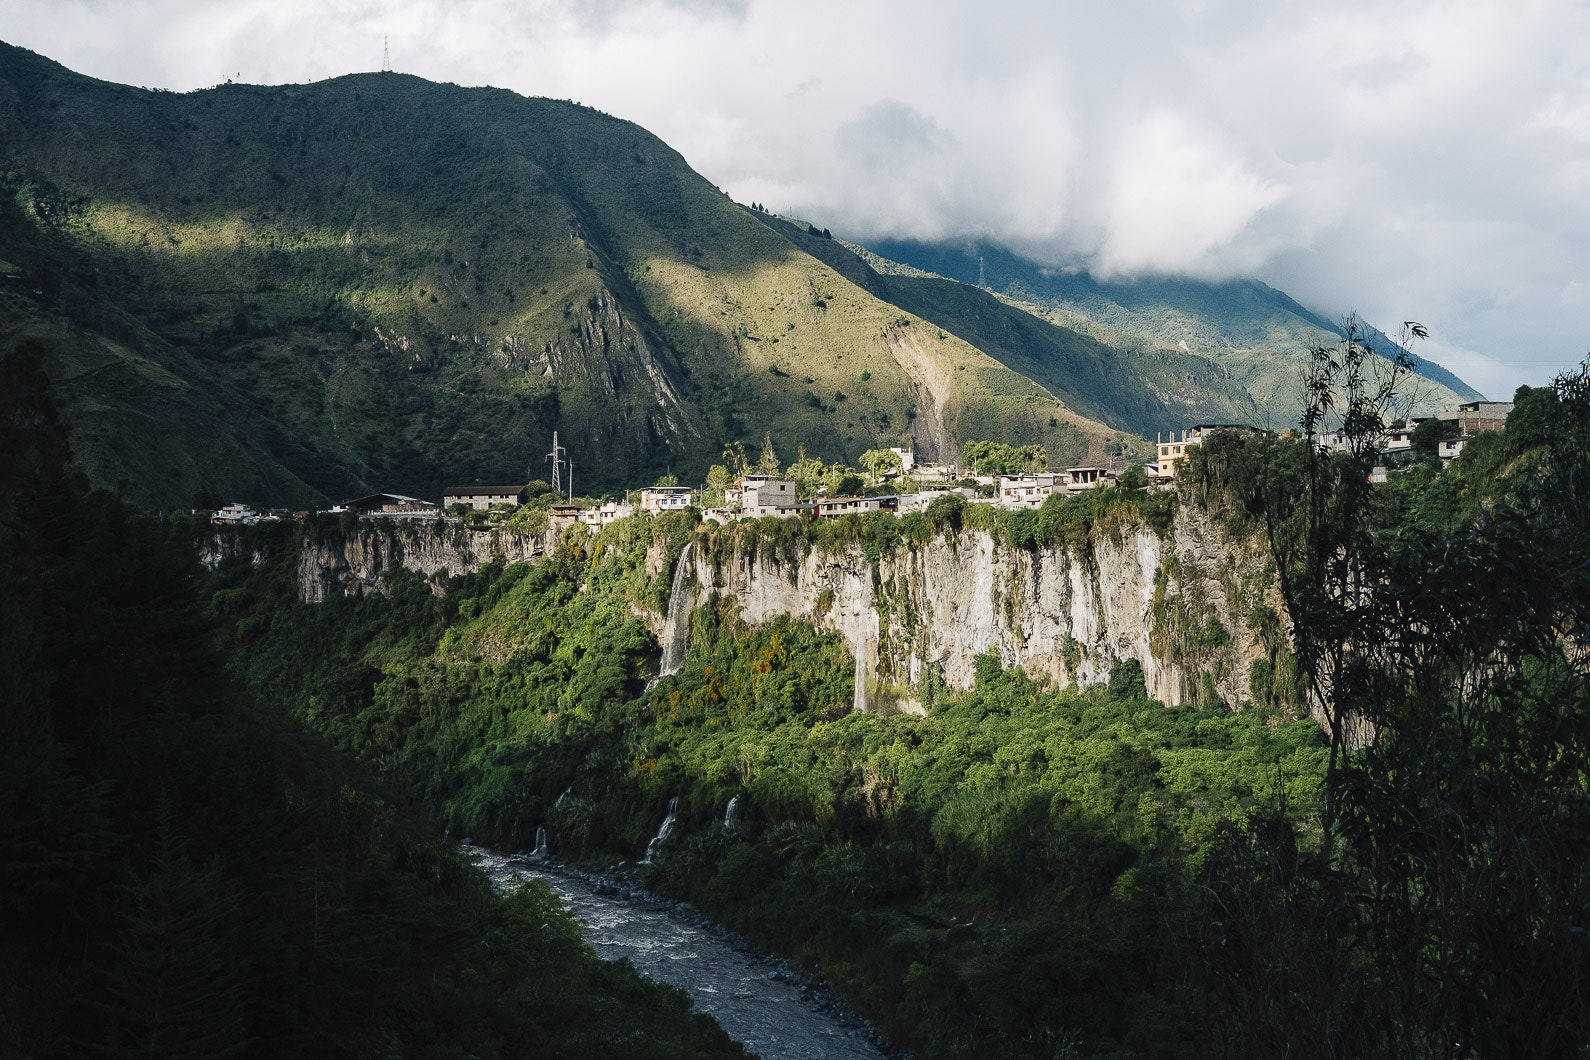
(765, 1007)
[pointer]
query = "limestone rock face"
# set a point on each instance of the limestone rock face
(352, 561)
(1179, 604)
(940, 605)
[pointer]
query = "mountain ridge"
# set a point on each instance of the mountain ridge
(297, 293)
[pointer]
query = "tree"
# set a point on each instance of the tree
(848, 485)
(718, 482)
(667, 480)
(1126, 680)
(735, 459)
(1426, 439)
(1456, 805)
(1529, 423)
(1133, 478)
(175, 985)
(881, 461)
(807, 473)
(768, 463)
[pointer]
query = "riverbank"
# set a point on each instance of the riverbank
(774, 1010)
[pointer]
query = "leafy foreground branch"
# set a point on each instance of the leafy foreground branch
(1445, 913)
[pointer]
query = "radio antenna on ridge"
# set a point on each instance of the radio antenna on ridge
(386, 55)
(981, 278)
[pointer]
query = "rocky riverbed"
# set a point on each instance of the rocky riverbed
(773, 1010)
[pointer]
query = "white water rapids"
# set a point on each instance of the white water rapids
(763, 1007)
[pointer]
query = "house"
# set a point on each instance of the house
(606, 513)
(1449, 448)
(481, 498)
(564, 514)
(758, 495)
(390, 504)
(1475, 416)
(924, 472)
(234, 515)
(1396, 440)
(1086, 478)
(833, 507)
(666, 498)
(1025, 491)
(907, 457)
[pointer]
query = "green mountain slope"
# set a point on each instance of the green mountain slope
(379, 282)
(1257, 334)
(1125, 382)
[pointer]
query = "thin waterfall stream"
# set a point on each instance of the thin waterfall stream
(772, 1011)
(681, 601)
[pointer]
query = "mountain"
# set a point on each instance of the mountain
(1257, 334)
(1128, 383)
(377, 282)
(300, 293)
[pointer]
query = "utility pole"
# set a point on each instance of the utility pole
(386, 55)
(557, 463)
(571, 480)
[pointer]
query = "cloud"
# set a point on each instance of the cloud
(1178, 200)
(1423, 159)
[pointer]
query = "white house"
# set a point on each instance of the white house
(607, 513)
(1025, 491)
(666, 498)
(234, 513)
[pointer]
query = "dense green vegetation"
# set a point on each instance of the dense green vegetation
(996, 878)
(1030, 870)
(185, 871)
(1435, 636)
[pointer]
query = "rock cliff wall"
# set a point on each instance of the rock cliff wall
(1177, 604)
(350, 560)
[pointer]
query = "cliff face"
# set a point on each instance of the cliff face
(1179, 604)
(937, 607)
(351, 560)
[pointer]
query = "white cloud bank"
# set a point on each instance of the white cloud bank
(1408, 160)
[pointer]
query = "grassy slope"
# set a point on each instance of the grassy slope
(1128, 384)
(379, 282)
(1255, 333)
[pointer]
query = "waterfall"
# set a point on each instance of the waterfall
(866, 646)
(731, 815)
(681, 601)
(541, 844)
(563, 798)
(662, 833)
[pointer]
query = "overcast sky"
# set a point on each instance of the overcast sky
(1411, 161)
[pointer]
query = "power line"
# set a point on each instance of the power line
(557, 463)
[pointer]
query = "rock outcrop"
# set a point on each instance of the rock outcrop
(351, 560)
(934, 608)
